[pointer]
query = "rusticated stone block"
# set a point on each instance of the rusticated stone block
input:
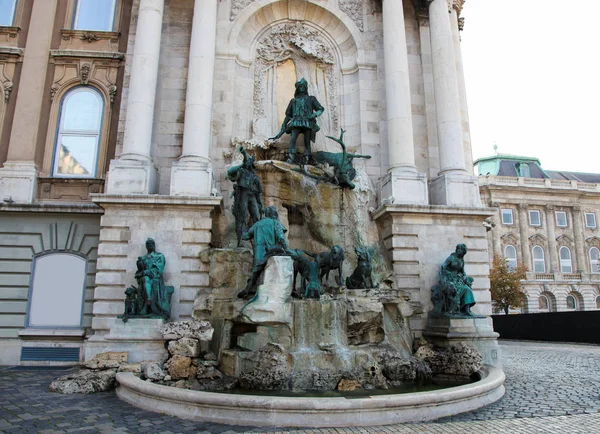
(187, 347)
(178, 367)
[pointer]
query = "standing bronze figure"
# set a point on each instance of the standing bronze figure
(300, 118)
(247, 194)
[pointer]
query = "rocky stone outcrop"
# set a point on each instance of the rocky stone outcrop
(201, 330)
(316, 379)
(136, 368)
(346, 385)
(152, 371)
(106, 360)
(178, 367)
(85, 381)
(460, 359)
(187, 347)
(273, 370)
(365, 321)
(398, 369)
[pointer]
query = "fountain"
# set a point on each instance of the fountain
(273, 333)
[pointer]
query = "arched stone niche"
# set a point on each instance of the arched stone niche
(277, 43)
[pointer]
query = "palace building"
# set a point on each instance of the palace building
(547, 220)
(119, 119)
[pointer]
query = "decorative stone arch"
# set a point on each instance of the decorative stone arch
(334, 24)
(68, 76)
(538, 239)
(323, 45)
(565, 240)
(592, 242)
(574, 292)
(548, 292)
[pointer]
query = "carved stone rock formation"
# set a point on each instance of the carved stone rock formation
(201, 330)
(85, 381)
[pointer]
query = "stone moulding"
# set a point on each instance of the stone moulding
(270, 411)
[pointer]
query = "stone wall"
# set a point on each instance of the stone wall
(23, 235)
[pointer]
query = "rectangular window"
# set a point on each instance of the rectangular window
(94, 15)
(561, 219)
(590, 220)
(7, 12)
(534, 218)
(507, 216)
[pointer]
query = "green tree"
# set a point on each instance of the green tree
(505, 285)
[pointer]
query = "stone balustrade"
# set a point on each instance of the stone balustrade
(538, 183)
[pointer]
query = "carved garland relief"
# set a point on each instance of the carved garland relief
(313, 59)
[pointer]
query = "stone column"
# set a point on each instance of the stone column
(454, 186)
(580, 254)
(553, 251)
(18, 177)
(456, 25)
(404, 184)
(134, 172)
(523, 227)
(191, 175)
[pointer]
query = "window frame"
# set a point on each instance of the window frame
(545, 297)
(563, 261)
(509, 260)
(13, 15)
(593, 214)
(598, 302)
(556, 213)
(31, 291)
(574, 302)
(82, 133)
(542, 260)
(595, 262)
(75, 18)
(512, 218)
(539, 214)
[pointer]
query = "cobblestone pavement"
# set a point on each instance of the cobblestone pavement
(551, 388)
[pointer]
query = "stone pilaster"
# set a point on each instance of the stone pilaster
(554, 265)
(454, 185)
(403, 184)
(134, 172)
(580, 254)
(191, 175)
(523, 231)
(18, 177)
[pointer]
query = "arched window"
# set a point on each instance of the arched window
(565, 260)
(598, 302)
(539, 264)
(510, 254)
(78, 135)
(594, 260)
(571, 302)
(57, 290)
(94, 15)
(543, 303)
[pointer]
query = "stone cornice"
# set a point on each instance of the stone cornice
(87, 53)
(10, 51)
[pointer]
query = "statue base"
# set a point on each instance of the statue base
(140, 337)
(477, 331)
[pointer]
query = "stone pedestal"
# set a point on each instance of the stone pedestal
(402, 186)
(477, 332)
(191, 177)
(272, 303)
(140, 337)
(181, 228)
(455, 189)
(132, 177)
(18, 179)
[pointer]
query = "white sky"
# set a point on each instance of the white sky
(532, 70)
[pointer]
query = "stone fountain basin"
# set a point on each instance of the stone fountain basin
(272, 411)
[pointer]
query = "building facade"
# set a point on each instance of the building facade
(120, 118)
(547, 220)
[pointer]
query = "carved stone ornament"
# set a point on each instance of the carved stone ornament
(537, 239)
(8, 86)
(509, 238)
(238, 6)
(565, 240)
(89, 37)
(593, 242)
(461, 23)
(53, 91)
(354, 9)
(85, 73)
(293, 41)
(112, 92)
(422, 11)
